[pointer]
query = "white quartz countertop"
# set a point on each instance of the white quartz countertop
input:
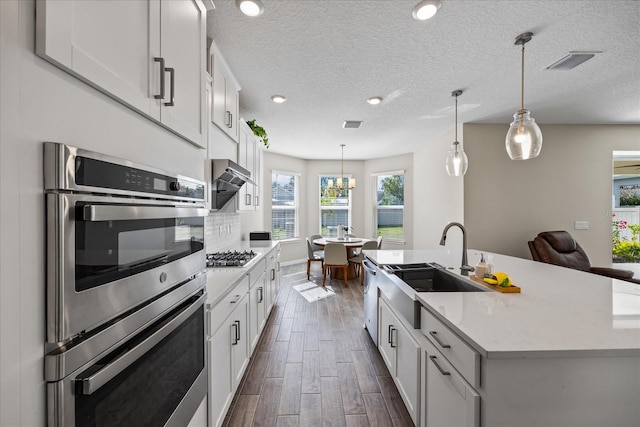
(560, 312)
(220, 280)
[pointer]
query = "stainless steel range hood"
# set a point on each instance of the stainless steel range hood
(227, 178)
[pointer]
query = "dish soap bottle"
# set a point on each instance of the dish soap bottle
(481, 267)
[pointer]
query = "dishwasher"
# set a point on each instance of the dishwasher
(371, 299)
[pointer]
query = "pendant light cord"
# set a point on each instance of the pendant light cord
(522, 81)
(456, 118)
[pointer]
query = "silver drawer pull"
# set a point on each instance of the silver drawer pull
(442, 371)
(236, 299)
(434, 334)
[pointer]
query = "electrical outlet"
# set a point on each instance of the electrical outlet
(581, 225)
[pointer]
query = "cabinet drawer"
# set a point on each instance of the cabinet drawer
(228, 303)
(257, 271)
(457, 352)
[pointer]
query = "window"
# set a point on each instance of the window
(335, 206)
(284, 205)
(389, 221)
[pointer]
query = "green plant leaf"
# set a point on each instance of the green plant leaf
(259, 132)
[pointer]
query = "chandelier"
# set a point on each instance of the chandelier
(343, 184)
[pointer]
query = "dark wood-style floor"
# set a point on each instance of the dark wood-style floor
(316, 365)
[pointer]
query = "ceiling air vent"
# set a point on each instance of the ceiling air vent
(352, 124)
(571, 60)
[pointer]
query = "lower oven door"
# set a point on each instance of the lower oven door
(112, 254)
(157, 378)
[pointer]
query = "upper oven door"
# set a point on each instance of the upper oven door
(108, 255)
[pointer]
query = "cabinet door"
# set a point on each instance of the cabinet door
(449, 400)
(183, 25)
(408, 370)
(110, 45)
(257, 312)
(220, 382)
(246, 146)
(240, 340)
(219, 115)
(387, 326)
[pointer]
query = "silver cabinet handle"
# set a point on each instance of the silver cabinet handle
(124, 212)
(260, 295)
(237, 322)
(434, 334)
(389, 334)
(442, 371)
(228, 118)
(91, 384)
(392, 331)
(247, 200)
(257, 200)
(273, 274)
(370, 270)
(161, 61)
(236, 299)
(172, 73)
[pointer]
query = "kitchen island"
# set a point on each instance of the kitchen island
(565, 351)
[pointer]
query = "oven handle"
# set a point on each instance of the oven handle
(118, 213)
(90, 385)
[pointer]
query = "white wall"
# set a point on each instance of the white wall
(42, 103)
(438, 197)
(509, 202)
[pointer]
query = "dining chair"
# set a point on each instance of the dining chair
(318, 250)
(357, 260)
(335, 256)
(312, 256)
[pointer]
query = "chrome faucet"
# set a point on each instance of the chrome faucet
(464, 268)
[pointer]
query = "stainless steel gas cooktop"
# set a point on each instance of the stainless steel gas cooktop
(230, 258)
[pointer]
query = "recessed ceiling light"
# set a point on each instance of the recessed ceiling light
(278, 99)
(374, 100)
(250, 7)
(426, 9)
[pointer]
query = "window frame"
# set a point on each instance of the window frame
(376, 176)
(296, 204)
(348, 207)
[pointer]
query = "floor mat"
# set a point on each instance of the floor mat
(312, 292)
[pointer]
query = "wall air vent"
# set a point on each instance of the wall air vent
(571, 60)
(352, 124)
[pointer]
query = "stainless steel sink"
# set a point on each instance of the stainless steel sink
(423, 277)
(431, 277)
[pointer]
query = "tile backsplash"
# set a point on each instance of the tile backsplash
(222, 231)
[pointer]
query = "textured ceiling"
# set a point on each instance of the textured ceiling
(328, 56)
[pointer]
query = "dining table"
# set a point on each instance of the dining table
(351, 245)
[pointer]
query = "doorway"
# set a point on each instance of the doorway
(626, 210)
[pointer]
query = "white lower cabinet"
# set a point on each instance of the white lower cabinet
(228, 349)
(449, 401)
(401, 353)
(257, 313)
(451, 370)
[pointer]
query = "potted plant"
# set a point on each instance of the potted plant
(259, 132)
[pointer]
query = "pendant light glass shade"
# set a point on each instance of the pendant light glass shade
(524, 138)
(457, 162)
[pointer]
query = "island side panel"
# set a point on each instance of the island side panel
(579, 391)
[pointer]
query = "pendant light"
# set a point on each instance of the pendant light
(524, 138)
(342, 185)
(457, 161)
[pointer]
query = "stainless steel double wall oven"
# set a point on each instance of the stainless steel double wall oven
(125, 292)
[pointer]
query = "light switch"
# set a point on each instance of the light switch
(581, 225)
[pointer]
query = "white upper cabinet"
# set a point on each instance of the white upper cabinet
(249, 157)
(127, 49)
(225, 105)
